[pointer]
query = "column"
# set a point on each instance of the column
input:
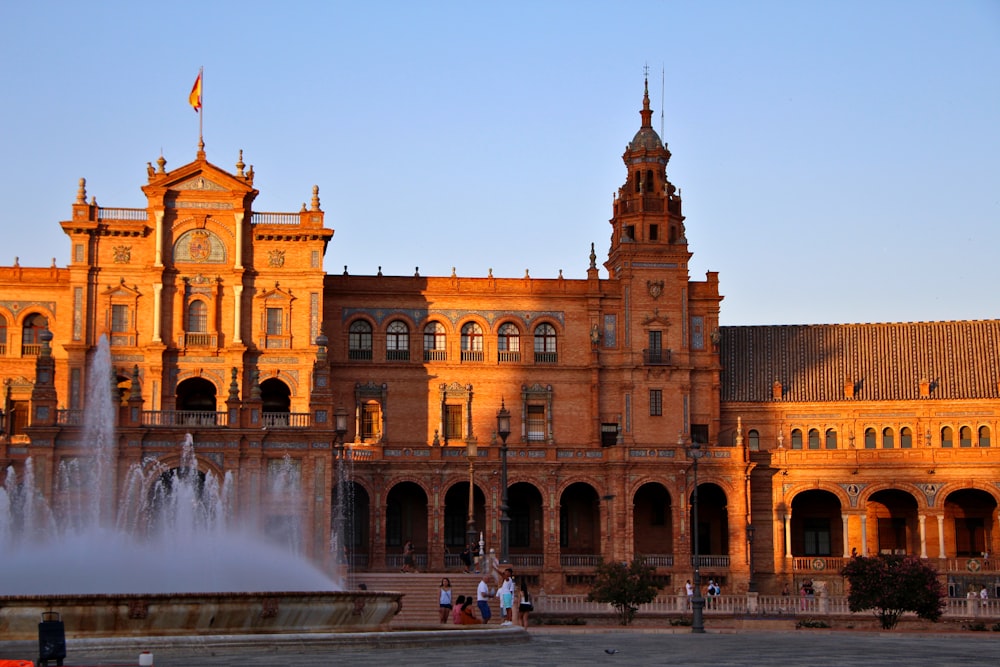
(158, 258)
(941, 549)
(787, 518)
(864, 534)
(237, 313)
(845, 522)
(239, 241)
(922, 520)
(157, 308)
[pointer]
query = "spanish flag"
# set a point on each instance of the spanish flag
(194, 99)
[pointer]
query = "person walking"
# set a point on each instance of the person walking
(506, 595)
(444, 599)
(483, 598)
(409, 561)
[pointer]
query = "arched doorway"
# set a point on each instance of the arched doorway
(817, 526)
(892, 517)
(276, 400)
(653, 524)
(579, 525)
(196, 395)
(353, 508)
(406, 520)
(713, 525)
(456, 518)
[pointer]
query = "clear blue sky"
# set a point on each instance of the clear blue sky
(838, 160)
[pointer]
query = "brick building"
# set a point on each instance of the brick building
(816, 442)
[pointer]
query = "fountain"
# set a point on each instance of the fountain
(169, 557)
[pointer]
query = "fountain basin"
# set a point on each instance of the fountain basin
(151, 615)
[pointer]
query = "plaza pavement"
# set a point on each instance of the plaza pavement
(543, 646)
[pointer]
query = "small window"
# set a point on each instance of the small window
(275, 320)
(397, 341)
(984, 436)
(699, 433)
(753, 440)
(359, 341)
(655, 402)
(654, 232)
(905, 438)
(435, 342)
(453, 422)
(869, 438)
(472, 342)
(888, 438)
(796, 438)
(831, 439)
(536, 423)
(197, 317)
(371, 422)
(545, 344)
(609, 434)
(813, 438)
(947, 437)
(119, 319)
(965, 437)
(508, 343)
(3, 335)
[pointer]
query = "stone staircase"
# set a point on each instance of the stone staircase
(420, 593)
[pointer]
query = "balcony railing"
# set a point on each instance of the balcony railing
(656, 357)
(133, 214)
(472, 355)
(659, 560)
(3, 349)
(287, 419)
(579, 560)
(184, 418)
(360, 355)
(435, 355)
(30, 350)
(263, 218)
(509, 357)
(197, 339)
(712, 560)
(546, 358)
(69, 417)
(397, 355)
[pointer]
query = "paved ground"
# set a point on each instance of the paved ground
(546, 646)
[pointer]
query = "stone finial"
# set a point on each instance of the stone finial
(81, 192)
(240, 165)
(416, 272)
(303, 209)
(527, 274)
(777, 390)
(161, 164)
(250, 175)
(315, 198)
(593, 257)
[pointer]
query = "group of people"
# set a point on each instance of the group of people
(460, 611)
(713, 590)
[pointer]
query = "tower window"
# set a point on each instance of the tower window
(655, 402)
(654, 232)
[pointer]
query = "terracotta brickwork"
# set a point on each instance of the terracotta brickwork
(224, 325)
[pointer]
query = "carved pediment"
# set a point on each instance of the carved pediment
(198, 182)
(656, 318)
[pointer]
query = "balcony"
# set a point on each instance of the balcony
(656, 357)
(472, 355)
(546, 358)
(360, 355)
(397, 355)
(508, 357)
(287, 419)
(197, 339)
(435, 355)
(184, 418)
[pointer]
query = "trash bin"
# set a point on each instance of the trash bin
(51, 639)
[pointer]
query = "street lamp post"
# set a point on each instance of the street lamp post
(340, 525)
(470, 525)
(697, 601)
(503, 430)
(751, 584)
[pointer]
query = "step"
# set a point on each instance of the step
(420, 593)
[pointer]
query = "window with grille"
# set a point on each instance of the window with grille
(359, 341)
(869, 438)
(655, 402)
(434, 342)
(813, 439)
(545, 344)
(508, 343)
(888, 438)
(274, 321)
(536, 423)
(197, 321)
(370, 422)
(472, 342)
(397, 342)
(453, 422)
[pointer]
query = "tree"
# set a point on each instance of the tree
(624, 587)
(891, 585)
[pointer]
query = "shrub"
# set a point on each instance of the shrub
(890, 585)
(624, 587)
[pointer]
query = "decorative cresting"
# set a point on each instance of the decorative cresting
(418, 315)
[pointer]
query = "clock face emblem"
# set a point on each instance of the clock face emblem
(200, 246)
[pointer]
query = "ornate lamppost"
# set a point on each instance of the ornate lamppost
(340, 524)
(697, 601)
(470, 525)
(751, 584)
(503, 430)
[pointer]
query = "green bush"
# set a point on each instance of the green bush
(624, 587)
(890, 585)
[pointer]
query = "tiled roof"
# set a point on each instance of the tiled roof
(885, 362)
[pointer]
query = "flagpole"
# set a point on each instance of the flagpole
(201, 112)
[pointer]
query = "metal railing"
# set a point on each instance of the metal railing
(184, 418)
(435, 355)
(268, 218)
(579, 560)
(508, 357)
(546, 358)
(656, 357)
(133, 214)
(397, 355)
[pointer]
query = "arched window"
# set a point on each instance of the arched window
(831, 439)
(947, 437)
(472, 342)
(796, 438)
(397, 341)
(359, 341)
(31, 331)
(965, 437)
(888, 438)
(869, 438)
(813, 439)
(545, 344)
(435, 348)
(753, 440)
(905, 438)
(508, 343)
(984, 436)
(3, 335)
(197, 317)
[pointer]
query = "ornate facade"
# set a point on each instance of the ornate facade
(818, 441)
